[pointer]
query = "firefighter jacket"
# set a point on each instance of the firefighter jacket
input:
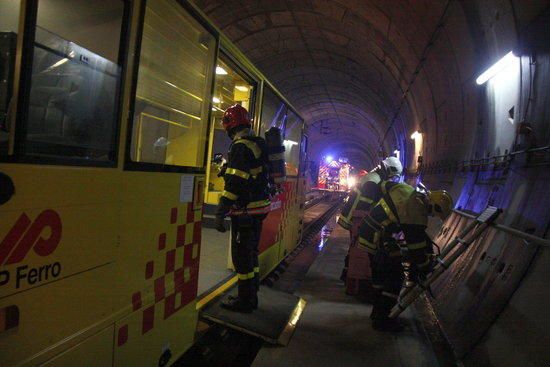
(366, 194)
(246, 189)
(400, 209)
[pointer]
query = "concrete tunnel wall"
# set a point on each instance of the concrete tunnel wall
(345, 65)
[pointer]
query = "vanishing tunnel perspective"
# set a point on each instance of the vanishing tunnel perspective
(274, 182)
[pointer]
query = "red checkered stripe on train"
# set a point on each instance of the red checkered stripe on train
(289, 199)
(181, 262)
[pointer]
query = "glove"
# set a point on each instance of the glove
(219, 224)
(223, 209)
(222, 170)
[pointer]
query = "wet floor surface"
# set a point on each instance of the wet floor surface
(335, 329)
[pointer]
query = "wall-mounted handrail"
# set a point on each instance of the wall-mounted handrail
(514, 232)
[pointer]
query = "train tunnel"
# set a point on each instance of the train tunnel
(114, 157)
(373, 78)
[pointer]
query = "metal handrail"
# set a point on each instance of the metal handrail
(514, 232)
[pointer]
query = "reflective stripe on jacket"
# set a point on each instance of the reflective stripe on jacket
(246, 177)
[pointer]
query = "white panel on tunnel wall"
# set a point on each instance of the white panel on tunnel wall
(502, 94)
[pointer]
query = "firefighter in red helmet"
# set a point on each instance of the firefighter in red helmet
(246, 200)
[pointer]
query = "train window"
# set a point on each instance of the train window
(173, 88)
(232, 87)
(293, 134)
(72, 109)
(9, 23)
(274, 111)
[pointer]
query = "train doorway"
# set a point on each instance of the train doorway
(232, 86)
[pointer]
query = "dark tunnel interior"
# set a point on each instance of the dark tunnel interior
(367, 74)
(379, 77)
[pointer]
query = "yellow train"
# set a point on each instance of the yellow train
(109, 116)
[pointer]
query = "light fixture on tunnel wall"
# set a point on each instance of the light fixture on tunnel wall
(220, 70)
(415, 135)
(497, 67)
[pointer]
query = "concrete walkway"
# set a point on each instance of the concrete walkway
(335, 330)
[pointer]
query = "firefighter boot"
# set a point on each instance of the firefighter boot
(380, 315)
(344, 274)
(246, 300)
(387, 324)
(376, 302)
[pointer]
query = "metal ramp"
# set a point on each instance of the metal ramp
(274, 321)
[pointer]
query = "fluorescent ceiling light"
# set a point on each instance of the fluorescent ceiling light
(242, 88)
(415, 135)
(220, 70)
(215, 100)
(497, 67)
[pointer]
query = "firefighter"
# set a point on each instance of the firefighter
(401, 209)
(366, 193)
(246, 200)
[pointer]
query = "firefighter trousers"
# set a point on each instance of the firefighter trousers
(387, 280)
(245, 239)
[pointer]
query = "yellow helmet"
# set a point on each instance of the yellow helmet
(440, 203)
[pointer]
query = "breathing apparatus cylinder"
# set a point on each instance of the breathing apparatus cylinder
(276, 155)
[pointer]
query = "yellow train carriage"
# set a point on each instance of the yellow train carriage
(107, 134)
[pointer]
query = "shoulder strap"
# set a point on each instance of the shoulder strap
(250, 145)
(387, 187)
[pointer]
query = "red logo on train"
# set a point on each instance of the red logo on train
(43, 236)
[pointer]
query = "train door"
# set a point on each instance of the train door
(274, 114)
(59, 85)
(292, 216)
(232, 86)
(163, 182)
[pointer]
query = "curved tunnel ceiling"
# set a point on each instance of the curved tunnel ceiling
(346, 64)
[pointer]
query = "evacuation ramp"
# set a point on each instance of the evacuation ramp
(274, 321)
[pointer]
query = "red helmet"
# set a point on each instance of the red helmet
(235, 116)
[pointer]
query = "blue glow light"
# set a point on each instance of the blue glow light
(329, 159)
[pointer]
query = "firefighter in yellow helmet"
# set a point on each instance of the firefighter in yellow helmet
(366, 194)
(401, 209)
